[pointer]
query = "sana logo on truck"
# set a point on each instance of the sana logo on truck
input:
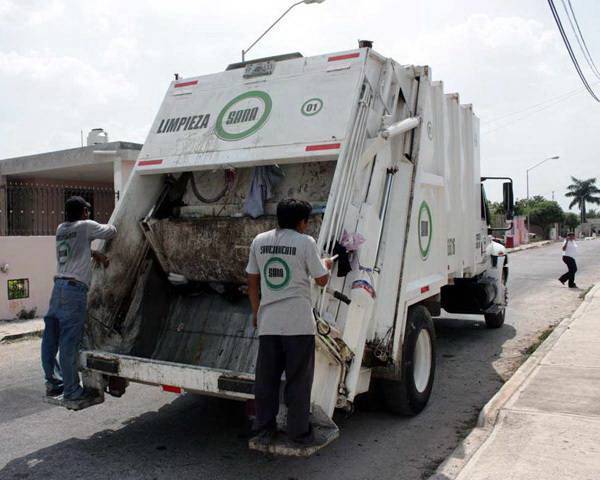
(425, 232)
(277, 273)
(244, 115)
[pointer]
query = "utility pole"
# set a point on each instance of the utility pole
(555, 157)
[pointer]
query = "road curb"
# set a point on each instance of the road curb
(18, 336)
(18, 329)
(451, 468)
(529, 246)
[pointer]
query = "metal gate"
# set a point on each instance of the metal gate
(34, 209)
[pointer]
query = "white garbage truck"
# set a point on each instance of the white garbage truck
(390, 165)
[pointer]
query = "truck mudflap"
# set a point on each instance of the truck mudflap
(172, 377)
(325, 431)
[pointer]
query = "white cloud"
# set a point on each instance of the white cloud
(30, 13)
(66, 76)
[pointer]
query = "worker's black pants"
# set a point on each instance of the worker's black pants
(570, 275)
(294, 354)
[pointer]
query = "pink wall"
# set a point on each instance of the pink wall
(518, 231)
(32, 258)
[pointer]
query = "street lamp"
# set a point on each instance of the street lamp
(308, 2)
(555, 157)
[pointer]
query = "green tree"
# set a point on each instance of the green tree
(592, 213)
(497, 208)
(582, 192)
(544, 213)
(571, 221)
(523, 206)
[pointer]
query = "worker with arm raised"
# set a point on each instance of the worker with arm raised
(282, 262)
(64, 323)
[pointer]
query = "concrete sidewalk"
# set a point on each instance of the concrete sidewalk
(15, 329)
(545, 421)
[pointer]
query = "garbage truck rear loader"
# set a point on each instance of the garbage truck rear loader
(391, 166)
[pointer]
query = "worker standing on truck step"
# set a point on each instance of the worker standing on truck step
(65, 320)
(280, 266)
(569, 253)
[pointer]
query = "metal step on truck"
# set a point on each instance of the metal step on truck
(391, 166)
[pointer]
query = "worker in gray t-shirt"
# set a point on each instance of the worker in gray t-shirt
(281, 264)
(65, 320)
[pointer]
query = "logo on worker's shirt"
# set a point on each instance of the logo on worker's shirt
(63, 249)
(424, 230)
(243, 116)
(277, 273)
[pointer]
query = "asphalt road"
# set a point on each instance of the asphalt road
(149, 434)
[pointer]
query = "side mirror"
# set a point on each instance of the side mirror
(508, 199)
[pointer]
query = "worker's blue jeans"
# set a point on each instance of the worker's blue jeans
(63, 332)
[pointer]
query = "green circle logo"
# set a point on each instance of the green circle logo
(63, 251)
(277, 273)
(312, 107)
(243, 116)
(425, 232)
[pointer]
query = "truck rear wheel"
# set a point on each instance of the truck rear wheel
(410, 394)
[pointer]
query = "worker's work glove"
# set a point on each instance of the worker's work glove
(100, 258)
(328, 262)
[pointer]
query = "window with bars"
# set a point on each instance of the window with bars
(18, 289)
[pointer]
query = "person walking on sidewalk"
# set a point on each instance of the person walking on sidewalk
(569, 253)
(280, 266)
(65, 320)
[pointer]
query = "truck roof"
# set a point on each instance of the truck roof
(276, 111)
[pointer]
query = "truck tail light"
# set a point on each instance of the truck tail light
(171, 388)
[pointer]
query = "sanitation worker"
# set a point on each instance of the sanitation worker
(569, 253)
(67, 313)
(281, 264)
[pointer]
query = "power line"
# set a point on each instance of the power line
(528, 114)
(550, 102)
(580, 38)
(570, 50)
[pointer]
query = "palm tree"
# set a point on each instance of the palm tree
(583, 192)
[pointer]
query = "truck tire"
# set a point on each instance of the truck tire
(495, 320)
(409, 395)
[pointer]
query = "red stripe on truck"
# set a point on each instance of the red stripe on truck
(147, 163)
(328, 146)
(186, 84)
(343, 57)
(171, 388)
(425, 289)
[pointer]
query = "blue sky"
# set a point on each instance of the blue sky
(67, 66)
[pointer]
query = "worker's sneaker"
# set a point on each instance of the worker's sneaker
(562, 281)
(573, 286)
(53, 390)
(87, 398)
(307, 439)
(265, 437)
